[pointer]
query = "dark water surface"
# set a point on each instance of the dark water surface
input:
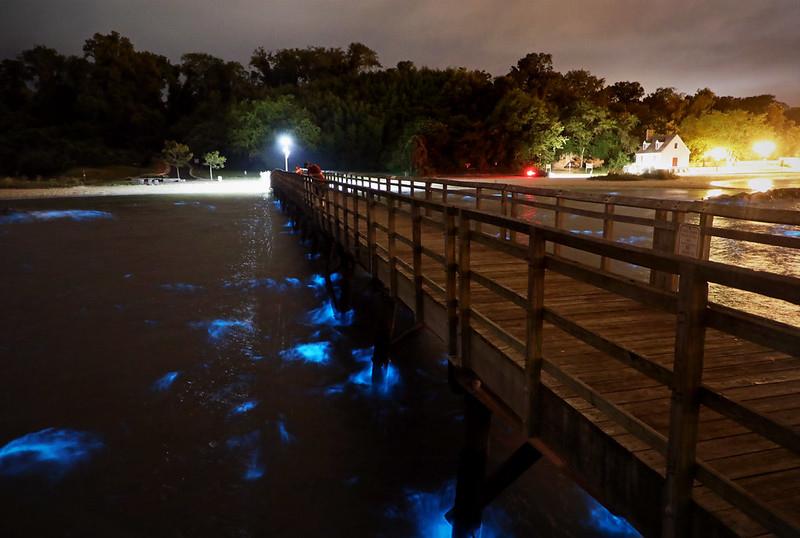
(173, 367)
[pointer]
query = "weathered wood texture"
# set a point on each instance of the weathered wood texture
(678, 413)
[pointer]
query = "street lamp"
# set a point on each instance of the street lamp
(286, 145)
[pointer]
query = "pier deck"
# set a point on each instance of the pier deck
(676, 412)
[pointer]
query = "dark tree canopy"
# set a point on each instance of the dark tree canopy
(115, 104)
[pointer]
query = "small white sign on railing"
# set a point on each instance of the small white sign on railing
(688, 240)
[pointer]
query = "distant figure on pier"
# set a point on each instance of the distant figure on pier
(298, 170)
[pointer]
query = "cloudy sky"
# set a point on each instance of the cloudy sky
(735, 47)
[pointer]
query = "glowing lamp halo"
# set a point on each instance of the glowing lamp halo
(764, 148)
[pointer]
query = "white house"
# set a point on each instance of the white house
(661, 153)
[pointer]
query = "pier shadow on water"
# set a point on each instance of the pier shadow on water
(171, 370)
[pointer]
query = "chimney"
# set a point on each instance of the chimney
(651, 133)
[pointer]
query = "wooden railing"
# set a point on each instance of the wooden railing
(354, 209)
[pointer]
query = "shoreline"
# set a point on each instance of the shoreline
(688, 188)
(226, 187)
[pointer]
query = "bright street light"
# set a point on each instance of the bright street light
(286, 145)
(718, 154)
(764, 148)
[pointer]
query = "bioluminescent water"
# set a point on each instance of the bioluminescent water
(219, 329)
(165, 382)
(182, 287)
(169, 369)
(310, 352)
(244, 407)
(76, 215)
(247, 448)
(427, 510)
(50, 452)
(371, 379)
(327, 314)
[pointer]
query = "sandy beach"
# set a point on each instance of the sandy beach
(226, 187)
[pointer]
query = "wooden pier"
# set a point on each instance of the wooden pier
(675, 406)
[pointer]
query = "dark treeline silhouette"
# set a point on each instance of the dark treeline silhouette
(117, 105)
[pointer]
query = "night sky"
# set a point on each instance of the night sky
(735, 47)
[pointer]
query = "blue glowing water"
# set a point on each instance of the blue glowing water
(219, 329)
(790, 233)
(365, 381)
(312, 256)
(316, 282)
(182, 287)
(244, 407)
(427, 511)
(76, 215)
(248, 446)
(311, 352)
(634, 239)
(286, 437)
(604, 522)
(165, 382)
(50, 452)
(328, 315)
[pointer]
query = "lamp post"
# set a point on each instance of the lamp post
(286, 146)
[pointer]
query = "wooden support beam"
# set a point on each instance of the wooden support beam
(464, 290)
(392, 240)
(468, 505)
(416, 232)
(685, 404)
(534, 325)
(451, 269)
(508, 472)
(373, 255)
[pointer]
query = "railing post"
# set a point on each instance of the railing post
(464, 289)
(416, 236)
(706, 223)
(513, 209)
(356, 218)
(451, 269)
(685, 403)
(663, 241)
(444, 193)
(504, 212)
(371, 250)
(559, 222)
(428, 196)
(392, 246)
(608, 233)
(478, 203)
(344, 197)
(534, 331)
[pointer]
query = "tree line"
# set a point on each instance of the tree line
(114, 104)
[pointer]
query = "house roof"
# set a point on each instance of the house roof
(652, 148)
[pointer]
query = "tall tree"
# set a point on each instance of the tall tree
(177, 155)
